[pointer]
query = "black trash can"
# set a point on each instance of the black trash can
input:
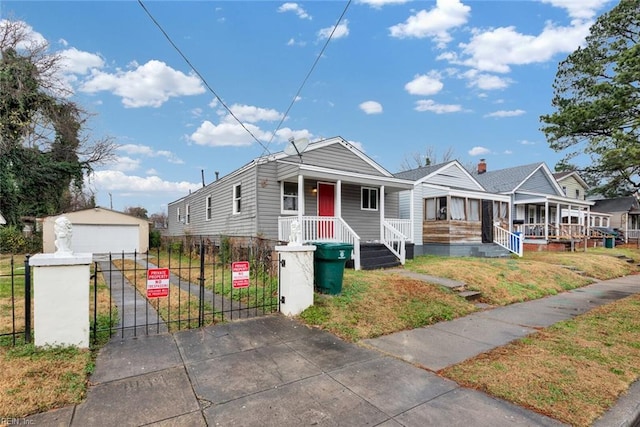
(328, 261)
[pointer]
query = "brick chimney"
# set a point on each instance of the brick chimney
(482, 167)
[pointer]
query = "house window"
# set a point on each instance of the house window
(178, 216)
(208, 208)
(474, 210)
(499, 211)
(289, 197)
(577, 193)
(187, 214)
(564, 190)
(457, 209)
(237, 198)
(532, 214)
(435, 209)
(369, 199)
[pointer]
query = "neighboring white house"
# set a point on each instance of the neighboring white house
(100, 230)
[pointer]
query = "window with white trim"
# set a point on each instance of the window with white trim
(208, 208)
(178, 216)
(187, 214)
(237, 198)
(435, 209)
(289, 197)
(369, 201)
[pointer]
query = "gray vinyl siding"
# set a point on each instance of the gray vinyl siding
(223, 221)
(268, 198)
(338, 157)
(285, 169)
(572, 184)
(366, 224)
(539, 182)
(453, 177)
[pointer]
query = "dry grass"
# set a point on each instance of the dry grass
(573, 371)
(38, 379)
(179, 309)
(373, 304)
(598, 263)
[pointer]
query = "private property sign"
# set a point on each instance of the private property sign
(240, 274)
(157, 282)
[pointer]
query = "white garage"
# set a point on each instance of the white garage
(100, 230)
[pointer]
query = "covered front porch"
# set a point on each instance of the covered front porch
(547, 219)
(331, 205)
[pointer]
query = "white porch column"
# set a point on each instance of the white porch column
(411, 215)
(382, 213)
(301, 202)
(546, 220)
(338, 211)
(558, 217)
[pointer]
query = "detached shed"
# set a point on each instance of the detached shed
(100, 230)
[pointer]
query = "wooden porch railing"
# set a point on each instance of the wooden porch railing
(394, 240)
(513, 242)
(322, 229)
(555, 231)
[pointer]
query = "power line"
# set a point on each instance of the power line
(295, 97)
(204, 81)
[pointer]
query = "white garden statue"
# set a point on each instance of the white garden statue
(63, 231)
(295, 238)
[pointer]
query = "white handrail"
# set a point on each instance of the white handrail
(395, 241)
(322, 229)
(513, 242)
(404, 226)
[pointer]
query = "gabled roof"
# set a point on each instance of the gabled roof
(451, 173)
(561, 176)
(619, 204)
(510, 179)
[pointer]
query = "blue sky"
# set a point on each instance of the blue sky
(397, 78)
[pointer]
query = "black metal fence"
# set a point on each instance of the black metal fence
(15, 299)
(187, 283)
(194, 285)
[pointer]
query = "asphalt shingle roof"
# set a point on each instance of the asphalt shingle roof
(619, 204)
(417, 173)
(504, 180)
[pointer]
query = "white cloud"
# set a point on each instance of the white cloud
(295, 8)
(125, 164)
(226, 134)
(432, 106)
(284, 134)
(508, 152)
(78, 62)
(377, 4)
(495, 50)
(425, 84)
(144, 150)
(435, 23)
(148, 85)
(112, 180)
(579, 9)
(478, 151)
(371, 107)
(485, 81)
(506, 113)
(252, 114)
(342, 30)
(525, 142)
(358, 145)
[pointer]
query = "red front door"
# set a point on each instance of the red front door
(326, 207)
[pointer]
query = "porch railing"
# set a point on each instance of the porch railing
(404, 226)
(513, 242)
(632, 234)
(555, 231)
(394, 240)
(322, 229)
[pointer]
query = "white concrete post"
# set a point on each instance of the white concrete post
(296, 278)
(61, 299)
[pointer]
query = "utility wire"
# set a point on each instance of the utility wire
(204, 81)
(295, 97)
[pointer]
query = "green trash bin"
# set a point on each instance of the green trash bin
(328, 262)
(609, 242)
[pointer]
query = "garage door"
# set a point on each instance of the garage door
(105, 238)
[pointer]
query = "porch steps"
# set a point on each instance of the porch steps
(459, 288)
(376, 256)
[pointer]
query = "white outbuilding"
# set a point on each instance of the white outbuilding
(99, 230)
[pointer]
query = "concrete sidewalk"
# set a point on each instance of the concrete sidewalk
(274, 371)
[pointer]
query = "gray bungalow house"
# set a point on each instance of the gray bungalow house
(333, 190)
(625, 215)
(542, 212)
(454, 215)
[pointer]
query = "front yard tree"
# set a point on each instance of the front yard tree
(597, 101)
(44, 153)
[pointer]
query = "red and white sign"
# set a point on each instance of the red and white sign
(240, 274)
(157, 282)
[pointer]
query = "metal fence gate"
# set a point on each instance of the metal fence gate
(186, 283)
